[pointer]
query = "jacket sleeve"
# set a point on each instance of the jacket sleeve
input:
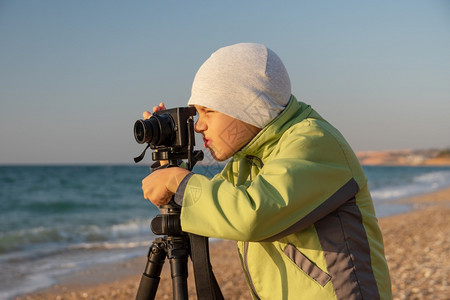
(307, 168)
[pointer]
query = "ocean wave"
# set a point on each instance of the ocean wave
(436, 179)
(94, 235)
(110, 245)
(415, 185)
(33, 269)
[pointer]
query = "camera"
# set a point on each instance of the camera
(165, 128)
(170, 132)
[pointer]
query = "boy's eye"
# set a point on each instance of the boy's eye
(205, 110)
(209, 111)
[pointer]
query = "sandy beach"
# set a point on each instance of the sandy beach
(417, 246)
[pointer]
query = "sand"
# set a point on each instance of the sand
(417, 246)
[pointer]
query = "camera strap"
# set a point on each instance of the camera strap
(205, 281)
(140, 157)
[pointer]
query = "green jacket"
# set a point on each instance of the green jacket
(296, 199)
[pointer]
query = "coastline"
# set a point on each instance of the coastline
(416, 245)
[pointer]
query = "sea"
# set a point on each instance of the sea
(57, 219)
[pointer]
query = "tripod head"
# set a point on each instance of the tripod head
(168, 222)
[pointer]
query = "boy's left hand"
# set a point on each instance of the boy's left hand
(160, 185)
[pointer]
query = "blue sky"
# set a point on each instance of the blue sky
(75, 75)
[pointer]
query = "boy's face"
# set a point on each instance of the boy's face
(222, 135)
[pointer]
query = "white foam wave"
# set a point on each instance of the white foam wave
(59, 237)
(420, 184)
(109, 245)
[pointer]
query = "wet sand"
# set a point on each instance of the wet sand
(417, 246)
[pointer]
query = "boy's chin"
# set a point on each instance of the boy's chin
(218, 156)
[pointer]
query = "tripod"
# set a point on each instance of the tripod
(177, 246)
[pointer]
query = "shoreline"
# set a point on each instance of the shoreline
(416, 245)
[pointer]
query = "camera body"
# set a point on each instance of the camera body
(170, 132)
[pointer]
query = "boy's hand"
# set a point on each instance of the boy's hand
(147, 114)
(159, 186)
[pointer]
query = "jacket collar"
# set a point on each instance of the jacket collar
(262, 144)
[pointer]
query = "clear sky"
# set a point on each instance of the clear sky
(75, 75)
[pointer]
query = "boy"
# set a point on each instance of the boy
(293, 194)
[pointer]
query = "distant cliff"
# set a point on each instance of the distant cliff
(429, 157)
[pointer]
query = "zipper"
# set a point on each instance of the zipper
(252, 286)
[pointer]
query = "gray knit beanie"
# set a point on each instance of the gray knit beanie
(245, 81)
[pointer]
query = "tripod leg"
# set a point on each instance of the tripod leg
(178, 252)
(151, 276)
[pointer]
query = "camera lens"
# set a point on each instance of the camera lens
(140, 131)
(158, 130)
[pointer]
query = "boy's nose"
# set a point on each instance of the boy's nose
(199, 126)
